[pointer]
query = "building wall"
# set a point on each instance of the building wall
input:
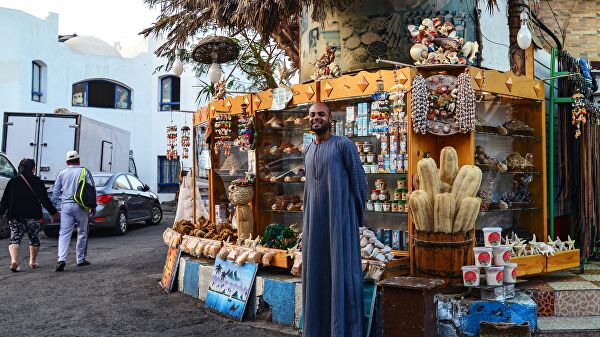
(27, 38)
(581, 21)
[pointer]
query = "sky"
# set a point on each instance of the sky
(109, 20)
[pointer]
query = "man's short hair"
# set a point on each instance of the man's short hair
(323, 103)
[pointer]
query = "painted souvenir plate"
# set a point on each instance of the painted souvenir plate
(441, 94)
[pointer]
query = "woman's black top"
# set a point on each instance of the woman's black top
(21, 202)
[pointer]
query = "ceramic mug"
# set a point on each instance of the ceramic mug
(510, 273)
(501, 255)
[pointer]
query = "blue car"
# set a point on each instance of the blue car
(122, 199)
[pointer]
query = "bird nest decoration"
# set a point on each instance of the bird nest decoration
(216, 49)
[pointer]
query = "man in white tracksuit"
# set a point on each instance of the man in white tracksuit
(71, 212)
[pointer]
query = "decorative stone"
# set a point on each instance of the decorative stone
(310, 92)
(246, 101)
(362, 83)
(479, 78)
(402, 78)
(509, 83)
(228, 105)
(328, 88)
(539, 89)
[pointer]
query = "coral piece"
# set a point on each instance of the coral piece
(443, 213)
(428, 177)
(448, 165)
(421, 209)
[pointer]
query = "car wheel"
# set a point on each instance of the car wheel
(156, 216)
(121, 225)
(4, 228)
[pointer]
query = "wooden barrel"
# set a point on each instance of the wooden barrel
(441, 255)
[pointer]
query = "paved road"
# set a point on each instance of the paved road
(118, 295)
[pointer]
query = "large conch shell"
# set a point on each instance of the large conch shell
(418, 52)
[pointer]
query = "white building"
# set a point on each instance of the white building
(86, 75)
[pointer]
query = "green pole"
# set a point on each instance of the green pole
(551, 141)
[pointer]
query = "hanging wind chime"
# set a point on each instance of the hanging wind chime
(185, 142)
(172, 142)
(245, 139)
(579, 113)
(224, 133)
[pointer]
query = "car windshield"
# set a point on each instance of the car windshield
(101, 180)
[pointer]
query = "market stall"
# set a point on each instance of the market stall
(374, 109)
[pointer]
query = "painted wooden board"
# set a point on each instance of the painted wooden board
(563, 260)
(230, 288)
(170, 268)
(530, 265)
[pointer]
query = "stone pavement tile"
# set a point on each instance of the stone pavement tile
(573, 285)
(545, 302)
(577, 303)
(591, 277)
(568, 323)
(592, 266)
(562, 278)
(535, 284)
(591, 271)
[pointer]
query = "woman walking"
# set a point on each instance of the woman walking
(22, 198)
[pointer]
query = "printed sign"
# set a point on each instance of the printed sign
(170, 269)
(230, 287)
(281, 97)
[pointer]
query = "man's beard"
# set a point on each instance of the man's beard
(322, 130)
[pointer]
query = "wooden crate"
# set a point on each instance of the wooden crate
(530, 265)
(563, 260)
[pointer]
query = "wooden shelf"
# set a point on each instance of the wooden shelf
(528, 209)
(284, 128)
(397, 213)
(281, 183)
(282, 211)
(400, 252)
(533, 173)
(520, 137)
(397, 173)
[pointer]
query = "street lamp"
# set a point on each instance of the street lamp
(524, 35)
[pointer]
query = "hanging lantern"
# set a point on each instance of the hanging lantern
(215, 50)
(172, 142)
(185, 141)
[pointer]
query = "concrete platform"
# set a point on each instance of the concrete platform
(582, 326)
(276, 297)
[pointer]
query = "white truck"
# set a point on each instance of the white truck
(47, 137)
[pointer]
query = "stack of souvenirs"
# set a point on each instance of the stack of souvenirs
(383, 201)
(494, 258)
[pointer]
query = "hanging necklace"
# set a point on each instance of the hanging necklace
(465, 104)
(419, 104)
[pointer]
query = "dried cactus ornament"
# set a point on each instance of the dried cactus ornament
(446, 199)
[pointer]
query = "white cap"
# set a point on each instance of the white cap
(71, 155)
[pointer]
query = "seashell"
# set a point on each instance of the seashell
(360, 54)
(427, 23)
(462, 60)
(447, 43)
(369, 37)
(435, 129)
(453, 57)
(467, 48)
(436, 22)
(419, 52)
(453, 34)
(446, 129)
(353, 42)
(345, 33)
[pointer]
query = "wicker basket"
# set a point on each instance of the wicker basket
(240, 195)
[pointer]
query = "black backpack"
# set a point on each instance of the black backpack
(85, 194)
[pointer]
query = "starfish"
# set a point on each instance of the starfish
(570, 243)
(546, 250)
(533, 245)
(521, 250)
(551, 243)
(560, 246)
(291, 251)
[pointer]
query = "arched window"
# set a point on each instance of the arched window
(37, 93)
(101, 94)
(169, 93)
